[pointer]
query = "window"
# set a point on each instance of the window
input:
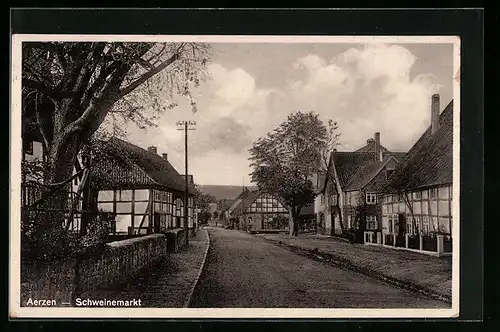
(393, 222)
(444, 193)
(371, 222)
(417, 195)
(412, 225)
(433, 193)
(389, 198)
(349, 221)
(425, 194)
(322, 199)
(425, 224)
(371, 198)
(28, 147)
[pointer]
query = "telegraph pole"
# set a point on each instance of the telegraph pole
(184, 125)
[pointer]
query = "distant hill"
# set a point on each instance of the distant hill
(222, 191)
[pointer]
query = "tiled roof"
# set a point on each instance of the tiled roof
(355, 169)
(398, 155)
(129, 156)
(246, 200)
(347, 164)
(370, 147)
(363, 175)
(225, 204)
(430, 160)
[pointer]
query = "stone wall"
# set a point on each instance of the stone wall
(176, 239)
(120, 261)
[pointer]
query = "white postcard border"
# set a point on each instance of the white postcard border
(15, 309)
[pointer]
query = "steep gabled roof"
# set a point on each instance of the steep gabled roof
(157, 169)
(347, 164)
(225, 204)
(356, 169)
(363, 175)
(370, 147)
(367, 173)
(247, 198)
(430, 161)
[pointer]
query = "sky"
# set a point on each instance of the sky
(369, 88)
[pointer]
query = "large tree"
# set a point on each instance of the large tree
(286, 158)
(71, 87)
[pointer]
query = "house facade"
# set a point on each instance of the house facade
(141, 188)
(347, 199)
(417, 199)
(255, 211)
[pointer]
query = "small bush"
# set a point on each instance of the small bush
(44, 236)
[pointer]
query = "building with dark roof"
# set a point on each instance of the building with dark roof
(141, 187)
(255, 211)
(417, 197)
(347, 196)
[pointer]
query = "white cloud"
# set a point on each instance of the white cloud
(367, 90)
(370, 90)
(310, 62)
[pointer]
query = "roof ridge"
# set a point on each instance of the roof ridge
(126, 156)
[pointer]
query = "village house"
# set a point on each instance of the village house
(417, 198)
(347, 200)
(256, 211)
(143, 190)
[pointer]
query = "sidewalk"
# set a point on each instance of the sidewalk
(427, 274)
(167, 285)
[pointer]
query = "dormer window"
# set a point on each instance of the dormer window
(371, 198)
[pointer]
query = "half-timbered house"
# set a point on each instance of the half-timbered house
(418, 197)
(143, 190)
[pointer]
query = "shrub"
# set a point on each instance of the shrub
(44, 236)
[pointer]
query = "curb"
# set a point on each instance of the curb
(334, 260)
(189, 297)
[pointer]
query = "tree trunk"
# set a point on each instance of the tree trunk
(294, 230)
(291, 221)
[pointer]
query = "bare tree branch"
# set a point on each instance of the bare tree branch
(47, 90)
(132, 86)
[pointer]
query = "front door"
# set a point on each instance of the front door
(257, 223)
(401, 231)
(156, 223)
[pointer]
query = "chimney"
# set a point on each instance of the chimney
(153, 149)
(378, 152)
(165, 156)
(435, 113)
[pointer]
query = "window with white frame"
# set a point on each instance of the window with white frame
(393, 220)
(371, 198)
(409, 226)
(425, 224)
(371, 222)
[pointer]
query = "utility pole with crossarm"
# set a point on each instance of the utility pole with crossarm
(186, 126)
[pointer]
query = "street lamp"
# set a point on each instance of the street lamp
(186, 126)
